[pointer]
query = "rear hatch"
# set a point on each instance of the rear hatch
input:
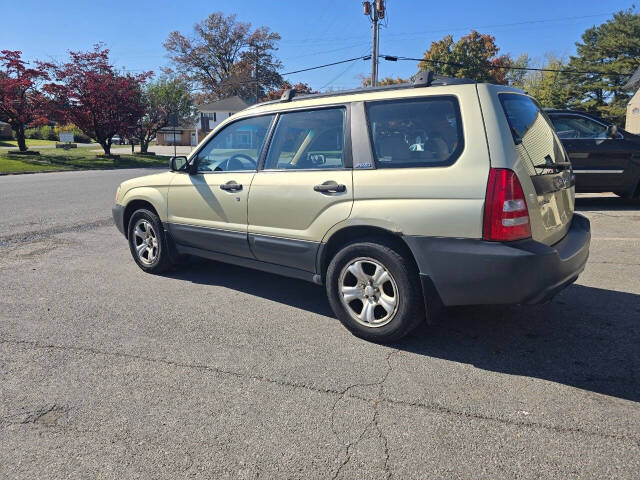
(547, 165)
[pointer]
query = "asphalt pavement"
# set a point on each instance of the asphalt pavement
(216, 371)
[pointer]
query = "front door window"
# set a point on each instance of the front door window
(236, 148)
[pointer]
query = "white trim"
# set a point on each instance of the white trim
(577, 170)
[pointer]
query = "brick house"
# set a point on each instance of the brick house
(210, 115)
(5, 131)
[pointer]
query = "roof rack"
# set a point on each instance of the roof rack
(288, 94)
(422, 79)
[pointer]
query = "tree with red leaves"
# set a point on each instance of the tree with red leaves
(300, 88)
(21, 101)
(93, 96)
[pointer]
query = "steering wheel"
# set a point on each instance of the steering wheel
(236, 158)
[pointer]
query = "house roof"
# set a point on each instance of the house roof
(229, 104)
(634, 81)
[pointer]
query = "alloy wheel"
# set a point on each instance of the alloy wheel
(369, 292)
(145, 242)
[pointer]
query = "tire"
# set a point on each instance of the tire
(151, 240)
(391, 320)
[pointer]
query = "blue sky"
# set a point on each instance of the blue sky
(313, 32)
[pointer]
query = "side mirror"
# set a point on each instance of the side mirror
(178, 163)
(612, 131)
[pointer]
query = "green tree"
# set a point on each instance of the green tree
(551, 89)
(516, 76)
(612, 47)
(162, 98)
(473, 56)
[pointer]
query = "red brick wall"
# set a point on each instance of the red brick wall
(185, 138)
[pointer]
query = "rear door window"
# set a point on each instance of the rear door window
(420, 132)
(312, 139)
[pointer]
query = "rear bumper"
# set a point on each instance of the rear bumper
(475, 272)
(118, 217)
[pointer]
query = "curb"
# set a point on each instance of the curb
(4, 174)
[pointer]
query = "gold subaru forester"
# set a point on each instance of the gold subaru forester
(399, 199)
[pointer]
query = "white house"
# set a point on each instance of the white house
(209, 116)
(633, 108)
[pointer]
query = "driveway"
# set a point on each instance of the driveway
(216, 371)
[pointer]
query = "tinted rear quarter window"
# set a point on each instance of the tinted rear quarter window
(419, 132)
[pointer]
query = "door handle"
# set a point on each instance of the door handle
(231, 186)
(330, 187)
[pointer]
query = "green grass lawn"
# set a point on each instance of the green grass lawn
(31, 142)
(75, 159)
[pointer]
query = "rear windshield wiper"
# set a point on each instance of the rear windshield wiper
(557, 166)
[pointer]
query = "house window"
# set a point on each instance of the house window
(172, 138)
(206, 119)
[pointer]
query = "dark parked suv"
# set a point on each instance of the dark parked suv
(604, 158)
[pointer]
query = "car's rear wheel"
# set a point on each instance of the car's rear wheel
(374, 291)
(148, 242)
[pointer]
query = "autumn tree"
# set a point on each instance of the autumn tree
(21, 99)
(275, 94)
(162, 98)
(366, 81)
(609, 52)
(100, 101)
(551, 88)
(473, 56)
(223, 57)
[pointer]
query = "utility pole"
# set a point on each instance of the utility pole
(375, 11)
(257, 58)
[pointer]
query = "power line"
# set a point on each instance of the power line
(504, 67)
(365, 57)
(324, 40)
(499, 25)
(341, 73)
(253, 80)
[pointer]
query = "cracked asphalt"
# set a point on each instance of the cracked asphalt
(215, 371)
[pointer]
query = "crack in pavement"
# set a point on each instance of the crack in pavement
(28, 237)
(379, 400)
(374, 420)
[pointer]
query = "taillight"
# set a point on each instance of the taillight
(506, 217)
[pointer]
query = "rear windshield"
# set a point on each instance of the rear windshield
(521, 112)
(419, 132)
(532, 131)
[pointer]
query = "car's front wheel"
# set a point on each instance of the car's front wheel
(148, 242)
(374, 291)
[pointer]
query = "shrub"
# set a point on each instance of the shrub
(79, 137)
(33, 133)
